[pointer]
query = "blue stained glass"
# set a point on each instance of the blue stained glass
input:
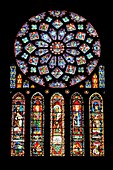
(57, 41)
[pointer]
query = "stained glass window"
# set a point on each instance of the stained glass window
(26, 84)
(18, 125)
(96, 125)
(101, 76)
(94, 81)
(87, 84)
(57, 49)
(12, 76)
(37, 125)
(32, 86)
(77, 135)
(19, 81)
(57, 128)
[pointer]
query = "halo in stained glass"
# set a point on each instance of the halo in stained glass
(53, 46)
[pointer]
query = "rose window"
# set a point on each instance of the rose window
(57, 49)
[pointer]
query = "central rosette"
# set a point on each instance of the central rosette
(57, 48)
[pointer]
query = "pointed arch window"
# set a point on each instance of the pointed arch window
(96, 125)
(37, 125)
(77, 138)
(57, 127)
(18, 125)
